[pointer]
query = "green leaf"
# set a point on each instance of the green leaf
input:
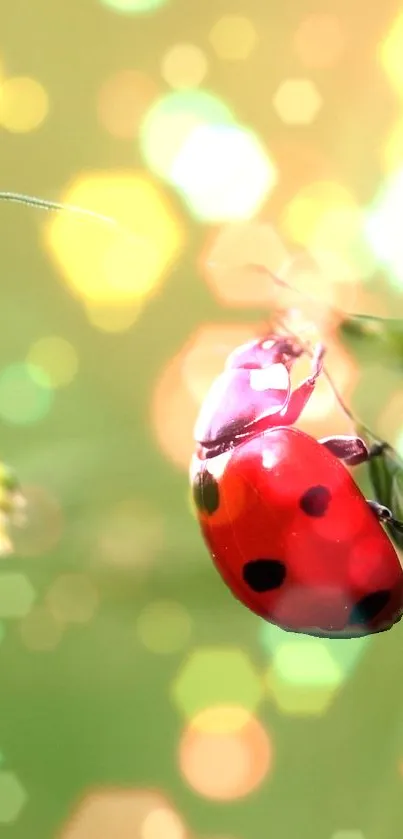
(386, 476)
(373, 338)
(397, 495)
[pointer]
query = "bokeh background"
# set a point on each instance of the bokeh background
(138, 699)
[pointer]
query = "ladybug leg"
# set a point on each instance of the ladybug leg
(384, 515)
(303, 392)
(351, 450)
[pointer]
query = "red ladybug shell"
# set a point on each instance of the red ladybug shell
(294, 538)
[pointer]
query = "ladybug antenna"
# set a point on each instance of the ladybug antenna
(310, 351)
(356, 422)
(262, 269)
(338, 397)
(284, 284)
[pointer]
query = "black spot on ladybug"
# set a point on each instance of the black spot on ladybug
(369, 607)
(315, 501)
(205, 492)
(264, 574)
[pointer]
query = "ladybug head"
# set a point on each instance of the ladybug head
(274, 349)
(254, 387)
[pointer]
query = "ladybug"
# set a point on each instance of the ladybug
(287, 527)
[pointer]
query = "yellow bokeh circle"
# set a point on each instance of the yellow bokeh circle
(24, 104)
